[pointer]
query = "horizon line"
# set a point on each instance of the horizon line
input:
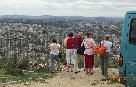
(58, 15)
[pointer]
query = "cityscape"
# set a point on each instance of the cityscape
(67, 43)
(21, 35)
(24, 41)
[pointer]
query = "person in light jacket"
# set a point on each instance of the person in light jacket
(54, 52)
(105, 60)
(89, 44)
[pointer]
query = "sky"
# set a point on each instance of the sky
(89, 8)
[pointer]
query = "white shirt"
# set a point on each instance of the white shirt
(54, 48)
(107, 44)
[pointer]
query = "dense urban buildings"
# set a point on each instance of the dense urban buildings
(29, 36)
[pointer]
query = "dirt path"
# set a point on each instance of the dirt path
(69, 79)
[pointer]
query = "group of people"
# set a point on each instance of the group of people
(80, 49)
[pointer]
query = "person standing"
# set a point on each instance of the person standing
(105, 59)
(89, 44)
(69, 44)
(54, 52)
(79, 57)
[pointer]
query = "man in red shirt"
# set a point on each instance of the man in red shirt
(78, 39)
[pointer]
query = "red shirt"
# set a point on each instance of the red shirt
(70, 43)
(77, 41)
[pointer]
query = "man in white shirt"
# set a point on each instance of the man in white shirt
(105, 59)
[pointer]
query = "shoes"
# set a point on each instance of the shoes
(59, 70)
(87, 73)
(91, 73)
(67, 71)
(52, 72)
(76, 72)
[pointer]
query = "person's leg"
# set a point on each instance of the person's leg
(80, 61)
(90, 71)
(87, 71)
(76, 61)
(90, 64)
(84, 61)
(67, 67)
(52, 62)
(106, 65)
(58, 62)
(72, 66)
(76, 65)
(72, 59)
(68, 59)
(102, 65)
(86, 64)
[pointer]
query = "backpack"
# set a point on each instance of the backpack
(81, 49)
(100, 50)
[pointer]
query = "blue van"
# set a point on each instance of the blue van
(127, 60)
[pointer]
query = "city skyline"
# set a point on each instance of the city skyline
(88, 8)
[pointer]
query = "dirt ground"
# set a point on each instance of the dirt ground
(69, 79)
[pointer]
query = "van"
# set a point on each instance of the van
(127, 59)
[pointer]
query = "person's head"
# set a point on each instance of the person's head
(89, 34)
(70, 34)
(106, 38)
(80, 34)
(54, 41)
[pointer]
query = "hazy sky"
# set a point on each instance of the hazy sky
(67, 7)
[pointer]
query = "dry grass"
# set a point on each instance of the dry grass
(69, 79)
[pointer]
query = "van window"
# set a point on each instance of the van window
(132, 32)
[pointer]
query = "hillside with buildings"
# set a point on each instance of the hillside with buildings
(24, 39)
(37, 29)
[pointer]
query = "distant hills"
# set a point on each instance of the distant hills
(26, 16)
(50, 16)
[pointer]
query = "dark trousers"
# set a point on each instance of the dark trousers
(53, 58)
(105, 64)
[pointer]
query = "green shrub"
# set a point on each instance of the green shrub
(13, 68)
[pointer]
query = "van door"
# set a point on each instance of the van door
(131, 53)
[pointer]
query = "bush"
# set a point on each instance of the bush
(13, 68)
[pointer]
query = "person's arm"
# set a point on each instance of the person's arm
(102, 42)
(58, 45)
(93, 44)
(65, 42)
(83, 42)
(111, 44)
